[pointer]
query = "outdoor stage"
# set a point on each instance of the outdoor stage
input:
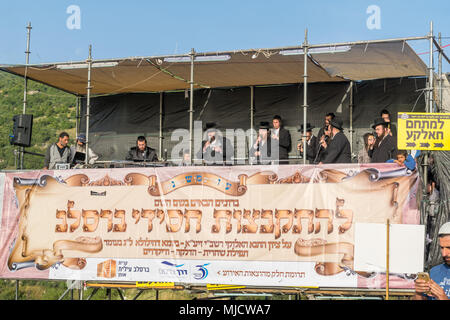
(267, 226)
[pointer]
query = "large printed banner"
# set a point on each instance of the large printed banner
(286, 225)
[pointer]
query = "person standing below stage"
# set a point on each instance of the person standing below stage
(338, 149)
(141, 152)
(392, 129)
(281, 138)
(385, 146)
(58, 152)
(81, 148)
(261, 149)
(363, 155)
(438, 287)
(312, 144)
(216, 149)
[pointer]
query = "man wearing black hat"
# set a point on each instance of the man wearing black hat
(392, 129)
(281, 138)
(312, 143)
(385, 147)
(216, 149)
(328, 117)
(261, 149)
(338, 149)
(141, 152)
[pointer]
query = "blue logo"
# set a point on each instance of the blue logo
(174, 271)
(172, 264)
(201, 273)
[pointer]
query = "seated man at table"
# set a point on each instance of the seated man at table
(141, 152)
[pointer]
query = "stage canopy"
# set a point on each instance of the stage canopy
(337, 63)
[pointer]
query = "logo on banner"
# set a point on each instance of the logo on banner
(174, 270)
(107, 269)
(201, 273)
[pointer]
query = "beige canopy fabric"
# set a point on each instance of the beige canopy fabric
(373, 61)
(241, 68)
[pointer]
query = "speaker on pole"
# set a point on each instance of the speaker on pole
(22, 128)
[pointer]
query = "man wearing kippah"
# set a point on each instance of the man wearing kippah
(438, 287)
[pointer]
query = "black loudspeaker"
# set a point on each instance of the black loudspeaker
(23, 125)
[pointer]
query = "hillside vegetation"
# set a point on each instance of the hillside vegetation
(53, 111)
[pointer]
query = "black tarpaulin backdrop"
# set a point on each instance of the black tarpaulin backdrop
(116, 120)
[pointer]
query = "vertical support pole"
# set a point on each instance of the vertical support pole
(429, 105)
(387, 259)
(25, 88)
(440, 73)
(88, 103)
(350, 107)
(77, 116)
(305, 92)
(431, 74)
(252, 119)
(161, 95)
(17, 290)
(191, 109)
(27, 60)
(81, 289)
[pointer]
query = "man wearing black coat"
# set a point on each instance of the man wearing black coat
(261, 150)
(312, 144)
(281, 138)
(385, 147)
(141, 152)
(338, 148)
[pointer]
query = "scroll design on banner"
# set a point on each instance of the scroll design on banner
(297, 177)
(315, 247)
(82, 180)
(22, 257)
(217, 182)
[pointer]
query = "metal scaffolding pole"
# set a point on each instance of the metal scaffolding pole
(350, 107)
(77, 116)
(25, 88)
(191, 109)
(431, 73)
(252, 120)
(305, 92)
(161, 95)
(88, 103)
(440, 74)
(27, 59)
(430, 100)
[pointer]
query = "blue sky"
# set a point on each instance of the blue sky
(118, 29)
